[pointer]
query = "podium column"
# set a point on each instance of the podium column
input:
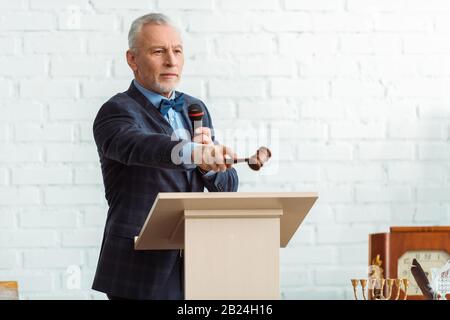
(232, 254)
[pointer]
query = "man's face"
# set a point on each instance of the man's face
(157, 61)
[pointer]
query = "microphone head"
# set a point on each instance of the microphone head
(195, 112)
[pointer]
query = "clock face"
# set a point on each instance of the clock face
(428, 259)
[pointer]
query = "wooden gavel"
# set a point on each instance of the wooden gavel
(256, 161)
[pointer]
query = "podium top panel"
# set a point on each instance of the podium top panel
(167, 213)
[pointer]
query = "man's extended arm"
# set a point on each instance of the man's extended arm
(119, 137)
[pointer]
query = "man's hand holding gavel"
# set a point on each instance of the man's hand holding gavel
(211, 157)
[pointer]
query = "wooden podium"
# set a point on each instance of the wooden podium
(231, 240)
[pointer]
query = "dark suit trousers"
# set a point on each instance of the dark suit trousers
(174, 285)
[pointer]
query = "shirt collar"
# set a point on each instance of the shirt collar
(153, 97)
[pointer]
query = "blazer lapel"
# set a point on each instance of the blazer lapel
(134, 93)
(188, 123)
(185, 115)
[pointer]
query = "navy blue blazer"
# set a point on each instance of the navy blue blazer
(134, 145)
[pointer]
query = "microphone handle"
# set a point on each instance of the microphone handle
(194, 128)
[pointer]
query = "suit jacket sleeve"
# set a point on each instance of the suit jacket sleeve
(227, 181)
(119, 137)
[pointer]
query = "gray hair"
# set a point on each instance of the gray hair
(136, 26)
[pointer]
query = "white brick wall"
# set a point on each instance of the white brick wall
(356, 90)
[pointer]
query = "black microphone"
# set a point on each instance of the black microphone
(195, 113)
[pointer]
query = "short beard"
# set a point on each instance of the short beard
(163, 89)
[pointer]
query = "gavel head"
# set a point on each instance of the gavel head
(256, 161)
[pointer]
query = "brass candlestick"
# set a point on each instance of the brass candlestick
(376, 288)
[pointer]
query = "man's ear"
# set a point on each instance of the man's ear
(131, 60)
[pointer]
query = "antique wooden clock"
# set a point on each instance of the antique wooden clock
(396, 249)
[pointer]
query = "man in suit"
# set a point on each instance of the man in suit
(144, 140)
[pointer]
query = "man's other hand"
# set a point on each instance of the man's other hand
(202, 135)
